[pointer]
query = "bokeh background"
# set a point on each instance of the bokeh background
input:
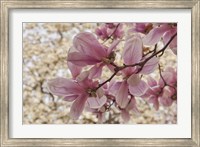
(45, 48)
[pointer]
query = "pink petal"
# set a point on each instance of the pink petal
(156, 89)
(87, 44)
(174, 50)
(150, 66)
(149, 92)
(98, 32)
(113, 46)
(114, 87)
(80, 59)
(132, 50)
(118, 33)
(168, 78)
(155, 35)
(96, 103)
(122, 95)
(151, 81)
(155, 102)
(70, 97)
(167, 36)
(78, 106)
(134, 80)
(125, 115)
(100, 92)
(96, 71)
(131, 104)
(74, 69)
(82, 76)
(111, 67)
(138, 90)
(63, 87)
(140, 27)
(165, 99)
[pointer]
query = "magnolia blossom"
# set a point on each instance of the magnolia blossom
(164, 91)
(87, 50)
(164, 31)
(132, 82)
(79, 91)
(107, 30)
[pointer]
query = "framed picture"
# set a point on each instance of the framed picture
(98, 73)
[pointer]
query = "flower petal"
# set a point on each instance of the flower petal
(96, 103)
(125, 115)
(155, 35)
(167, 36)
(74, 69)
(82, 76)
(63, 87)
(95, 71)
(70, 97)
(155, 102)
(151, 81)
(150, 66)
(81, 59)
(138, 90)
(113, 46)
(165, 99)
(78, 106)
(100, 92)
(87, 44)
(169, 78)
(134, 80)
(132, 104)
(122, 95)
(132, 50)
(114, 87)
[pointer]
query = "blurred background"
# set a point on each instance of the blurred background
(45, 48)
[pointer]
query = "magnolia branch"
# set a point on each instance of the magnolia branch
(141, 64)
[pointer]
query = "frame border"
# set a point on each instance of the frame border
(6, 5)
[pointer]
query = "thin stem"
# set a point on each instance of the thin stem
(159, 67)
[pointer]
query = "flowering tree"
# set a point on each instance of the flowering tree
(91, 53)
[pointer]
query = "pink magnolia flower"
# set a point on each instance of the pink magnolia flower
(87, 50)
(165, 31)
(80, 91)
(162, 92)
(132, 83)
(114, 30)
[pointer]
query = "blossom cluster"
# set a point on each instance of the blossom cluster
(140, 56)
